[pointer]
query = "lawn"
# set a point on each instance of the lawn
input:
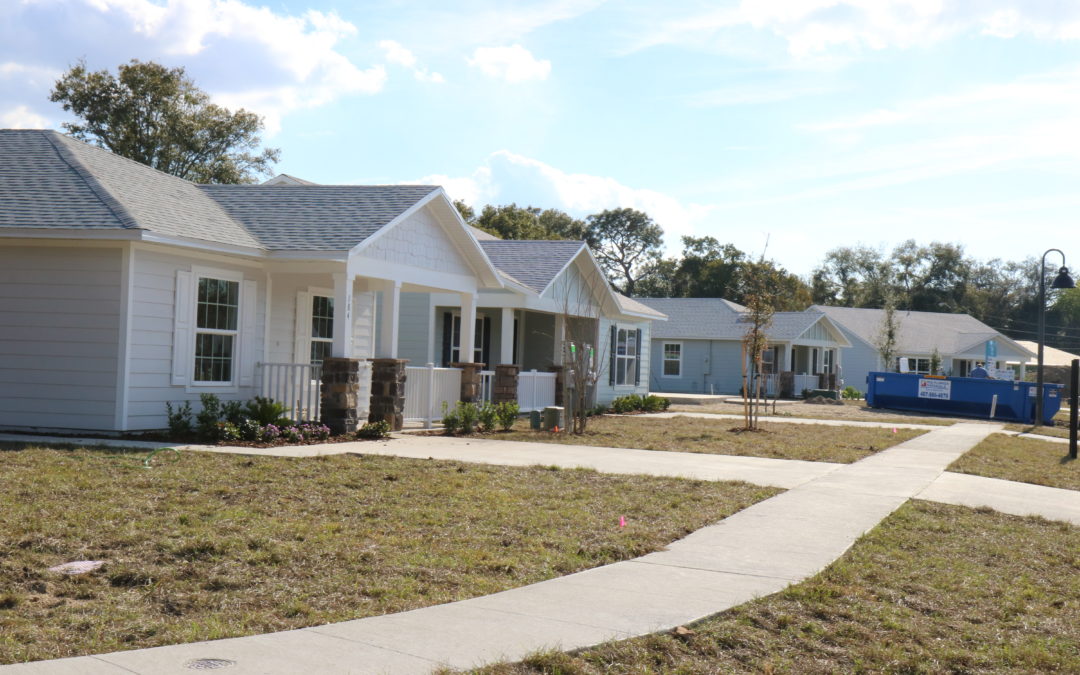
(203, 546)
(850, 410)
(817, 443)
(933, 589)
(1027, 460)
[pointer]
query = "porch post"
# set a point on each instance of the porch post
(1023, 371)
(560, 335)
(343, 315)
(506, 336)
(389, 320)
(467, 343)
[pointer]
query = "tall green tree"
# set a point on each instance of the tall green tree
(626, 243)
(511, 221)
(157, 116)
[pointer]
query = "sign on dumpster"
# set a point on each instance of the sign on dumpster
(938, 389)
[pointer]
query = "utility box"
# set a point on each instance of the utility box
(553, 417)
(964, 396)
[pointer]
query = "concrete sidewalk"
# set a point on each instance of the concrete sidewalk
(755, 552)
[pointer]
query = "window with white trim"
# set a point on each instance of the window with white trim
(217, 313)
(322, 328)
(672, 359)
(626, 355)
(915, 365)
(478, 340)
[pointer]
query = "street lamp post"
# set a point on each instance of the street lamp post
(1062, 280)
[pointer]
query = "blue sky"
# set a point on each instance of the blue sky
(809, 124)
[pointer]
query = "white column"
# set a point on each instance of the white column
(468, 327)
(506, 337)
(1023, 371)
(343, 315)
(389, 320)
(560, 336)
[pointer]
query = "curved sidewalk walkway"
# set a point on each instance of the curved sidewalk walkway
(755, 552)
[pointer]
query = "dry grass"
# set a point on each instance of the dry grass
(851, 410)
(211, 546)
(1056, 432)
(816, 443)
(1027, 460)
(933, 589)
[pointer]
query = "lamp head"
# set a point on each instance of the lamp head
(1063, 280)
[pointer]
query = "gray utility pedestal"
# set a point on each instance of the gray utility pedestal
(553, 417)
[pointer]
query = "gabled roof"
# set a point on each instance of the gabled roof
(920, 332)
(1051, 355)
(315, 217)
(718, 319)
(286, 179)
(635, 307)
(533, 263)
(51, 181)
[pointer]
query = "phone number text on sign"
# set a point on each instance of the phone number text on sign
(939, 389)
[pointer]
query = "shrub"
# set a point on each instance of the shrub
(227, 431)
(373, 430)
(232, 412)
(636, 402)
(314, 432)
(206, 421)
(265, 410)
(249, 429)
(470, 414)
(652, 403)
(486, 416)
(179, 420)
(451, 420)
(292, 434)
(851, 393)
(507, 413)
(269, 433)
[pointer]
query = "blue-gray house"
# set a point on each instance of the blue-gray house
(699, 348)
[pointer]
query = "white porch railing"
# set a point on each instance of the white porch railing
(805, 382)
(487, 384)
(296, 385)
(535, 390)
(427, 388)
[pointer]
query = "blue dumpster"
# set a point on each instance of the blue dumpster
(965, 396)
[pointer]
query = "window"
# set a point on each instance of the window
(915, 365)
(217, 313)
(478, 340)
(322, 328)
(626, 355)
(672, 359)
(768, 361)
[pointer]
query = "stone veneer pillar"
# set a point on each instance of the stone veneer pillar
(339, 392)
(787, 384)
(470, 381)
(558, 370)
(388, 392)
(506, 383)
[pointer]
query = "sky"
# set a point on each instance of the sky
(784, 127)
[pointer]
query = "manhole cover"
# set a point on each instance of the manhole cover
(209, 664)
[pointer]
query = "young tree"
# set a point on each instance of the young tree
(626, 243)
(760, 302)
(584, 349)
(888, 335)
(157, 116)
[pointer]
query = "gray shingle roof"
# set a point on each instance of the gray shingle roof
(718, 319)
(533, 263)
(315, 217)
(920, 332)
(48, 180)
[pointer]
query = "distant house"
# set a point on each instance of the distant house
(960, 341)
(699, 348)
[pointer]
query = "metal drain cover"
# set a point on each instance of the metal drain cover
(209, 664)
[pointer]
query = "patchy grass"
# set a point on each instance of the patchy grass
(851, 410)
(211, 546)
(816, 443)
(933, 589)
(1056, 432)
(1027, 460)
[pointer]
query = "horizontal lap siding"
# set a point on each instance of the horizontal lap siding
(708, 367)
(605, 392)
(59, 336)
(150, 351)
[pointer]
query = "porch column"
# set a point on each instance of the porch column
(343, 316)
(1023, 371)
(560, 335)
(467, 342)
(389, 320)
(506, 337)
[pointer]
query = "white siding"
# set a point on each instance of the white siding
(605, 392)
(573, 293)
(150, 351)
(419, 241)
(415, 319)
(59, 337)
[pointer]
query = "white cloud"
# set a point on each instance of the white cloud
(244, 55)
(512, 64)
(396, 53)
(507, 177)
(753, 94)
(21, 117)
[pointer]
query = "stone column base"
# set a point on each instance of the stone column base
(506, 383)
(388, 392)
(470, 381)
(339, 392)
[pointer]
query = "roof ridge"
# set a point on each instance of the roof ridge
(107, 198)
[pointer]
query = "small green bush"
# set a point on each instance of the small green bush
(372, 431)
(265, 410)
(507, 413)
(851, 393)
(486, 416)
(206, 420)
(249, 429)
(636, 402)
(470, 415)
(451, 419)
(179, 420)
(233, 412)
(227, 431)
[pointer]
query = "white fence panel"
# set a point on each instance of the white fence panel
(427, 388)
(805, 382)
(487, 384)
(296, 385)
(535, 390)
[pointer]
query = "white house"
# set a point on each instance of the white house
(123, 288)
